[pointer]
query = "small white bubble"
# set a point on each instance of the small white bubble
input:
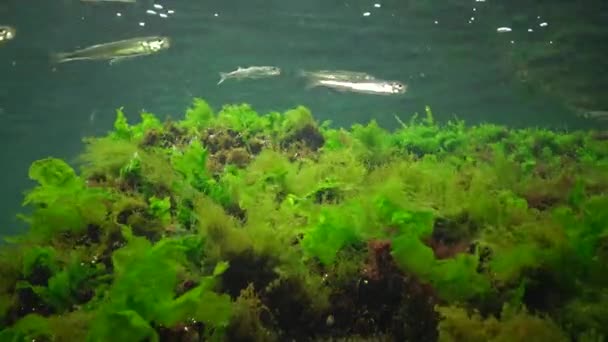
(474, 9)
(170, 11)
(151, 12)
(118, 14)
(503, 29)
(377, 5)
(472, 19)
(157, 6)
(216, 15)
(366, 14)
(538, 17)
(436, 22)
(550, 42)
(530, 30)
(512, 42)
(162, 15)
(543, 24)
(142, 24)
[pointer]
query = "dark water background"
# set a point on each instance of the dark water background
(448, 52)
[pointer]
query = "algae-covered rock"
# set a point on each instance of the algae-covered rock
(233, 225)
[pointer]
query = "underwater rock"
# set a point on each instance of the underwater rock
(227, 146)
(238, 156)
(379, 260)
(248, 268)
(302, 143)
(312, 233)
(309, 135)
(450, 237)
(216, 140)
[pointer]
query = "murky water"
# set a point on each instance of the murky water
(543, 67)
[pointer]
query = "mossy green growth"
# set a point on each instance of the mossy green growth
(191, 165)
(124, 131)
(198, 116)
(320, 232)
(161, 209)
(332, 230)
(66, 286)
(143, 292)
(62, 200)
(296, 120)
(30, 327)
(454, 279)
(458, 325)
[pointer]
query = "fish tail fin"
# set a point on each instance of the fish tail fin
(60, 57)
(57, 57)
(223, 76)
(312, 83)
(303, 73)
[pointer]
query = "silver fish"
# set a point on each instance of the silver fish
(600, 115)
(250, 72)
(116, 51)
(338, 75)
(7, 33)
(376, 87)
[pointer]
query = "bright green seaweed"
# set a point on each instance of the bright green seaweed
(235, 226)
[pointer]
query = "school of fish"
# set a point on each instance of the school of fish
(116, 51)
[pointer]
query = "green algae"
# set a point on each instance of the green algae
(239, 226)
